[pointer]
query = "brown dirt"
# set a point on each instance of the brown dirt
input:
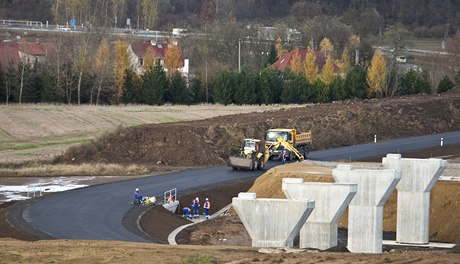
(209, 142)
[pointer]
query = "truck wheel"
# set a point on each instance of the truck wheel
(306, 151)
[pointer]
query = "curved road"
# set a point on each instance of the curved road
(96, 212)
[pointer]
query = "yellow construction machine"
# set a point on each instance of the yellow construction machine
(254, 153)
(296, 140)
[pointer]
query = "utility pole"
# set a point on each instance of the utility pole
(239, 55)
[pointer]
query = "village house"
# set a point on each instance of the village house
(138, 51)
(12, 53)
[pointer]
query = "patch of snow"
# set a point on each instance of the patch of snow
(37, 188)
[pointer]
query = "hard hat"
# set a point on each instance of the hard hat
(197, 198)
(137, 189)
(207, 199)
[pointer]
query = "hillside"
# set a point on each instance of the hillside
(209, 142)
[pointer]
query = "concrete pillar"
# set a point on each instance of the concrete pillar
(365, 213)
(331, 200)
(272, 222)
(418, 177)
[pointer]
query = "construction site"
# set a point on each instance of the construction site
(279, 144)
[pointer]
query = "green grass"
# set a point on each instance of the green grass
(40, 145)
(198, 259)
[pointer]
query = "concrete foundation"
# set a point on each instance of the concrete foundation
(365, 213)
(331, 200)
(418, 177)
(272, 222)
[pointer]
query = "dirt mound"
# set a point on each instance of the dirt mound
(209, 142)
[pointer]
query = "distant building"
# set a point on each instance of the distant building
(138, 51)
(272, 33)
(284, 62)
(12, 53)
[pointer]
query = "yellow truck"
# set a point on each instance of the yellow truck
(254, 153)
(300, 141)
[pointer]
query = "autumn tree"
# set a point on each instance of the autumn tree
(327, 73)
(345, 63)
(377, 74)
(296, 62)
(311, 68)
(326, 47)
(120, 66)
(280, 49)
(173, 59)
(149, 59)
(101, 66)
(118, 9)
(150, 13)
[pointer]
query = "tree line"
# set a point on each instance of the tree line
(120, 84)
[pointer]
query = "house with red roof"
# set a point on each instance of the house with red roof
(138, 51)
(12, 53)
(284, 62)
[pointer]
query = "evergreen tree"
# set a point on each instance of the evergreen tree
(271, 56)
(322, 92)
(154, 85)
(196, 95)
(270, 86)
(355, 83)
(178, 89)
(129, 86)
(295, 89)
(337, 89)
(246, 89)
(445, 84)
(224, 87)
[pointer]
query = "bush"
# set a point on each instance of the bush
(445, 84)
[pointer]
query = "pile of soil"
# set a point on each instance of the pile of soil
(209, 142)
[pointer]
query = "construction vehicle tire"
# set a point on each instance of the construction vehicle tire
(306, 151)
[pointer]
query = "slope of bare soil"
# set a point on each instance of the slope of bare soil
(208, 142)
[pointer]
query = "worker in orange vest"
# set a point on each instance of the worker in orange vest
(206, 207)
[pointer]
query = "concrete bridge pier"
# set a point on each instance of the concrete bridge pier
(272, 222)
(331, 200)
(418, 177)
(365, 213)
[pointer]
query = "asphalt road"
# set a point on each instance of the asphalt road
(96, 212)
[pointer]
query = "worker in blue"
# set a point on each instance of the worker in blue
(187, 212)
(195, 206)
(206, 207)
(137, 196)
(283, 157)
